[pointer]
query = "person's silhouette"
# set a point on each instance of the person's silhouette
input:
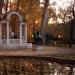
(37, 38)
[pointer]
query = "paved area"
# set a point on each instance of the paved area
(36, 51)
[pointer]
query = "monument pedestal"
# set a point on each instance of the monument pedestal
(40, 48)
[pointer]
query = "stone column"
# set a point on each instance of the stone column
(26, 33)
(0, 31)
(20, 34)
(7, 33)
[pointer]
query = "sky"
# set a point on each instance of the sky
(10, 0)
(62, 3)
(59, 4)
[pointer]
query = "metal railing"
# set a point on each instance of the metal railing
(14, 41)
(35, 65)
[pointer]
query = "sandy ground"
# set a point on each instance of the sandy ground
(36, 51)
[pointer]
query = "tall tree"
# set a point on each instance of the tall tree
(72, 28)
(31, 11)
(72, 23)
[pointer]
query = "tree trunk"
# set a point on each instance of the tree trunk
(71, 33)
(44, 22)
(6, 7)
(44, 18)
(72, 28)
(18, 5)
